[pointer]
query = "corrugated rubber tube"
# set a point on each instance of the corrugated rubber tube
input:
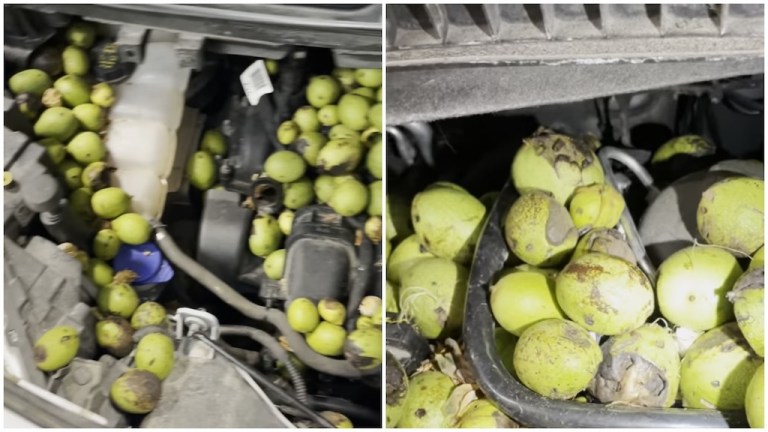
(267, 341)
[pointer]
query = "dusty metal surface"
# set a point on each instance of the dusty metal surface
(447, 61)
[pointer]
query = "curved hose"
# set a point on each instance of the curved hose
(274, 347)
(362, 274)
(236, 300)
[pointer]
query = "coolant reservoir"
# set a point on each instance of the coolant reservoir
(141, 138)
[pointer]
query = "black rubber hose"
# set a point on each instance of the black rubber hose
(265, 382)
(354, 411)
(362, 275)
(267, 341)
(236, 300)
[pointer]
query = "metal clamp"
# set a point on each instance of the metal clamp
(197, 321)
(627, 225)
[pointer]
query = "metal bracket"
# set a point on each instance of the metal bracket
(129, 42)
(189, 51)
(197, 321)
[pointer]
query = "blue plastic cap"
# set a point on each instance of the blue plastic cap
(146, 261)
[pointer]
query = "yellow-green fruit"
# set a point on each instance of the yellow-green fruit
(332, 311)
(118, 299)
(428, 393)
(201, 170)
(86, 148)
(345, 76)
(639, 368)
(132, 229)
(596, 206)
(374, 116)
(758, 259)
(482, 414)
(285, 166)
(265, 237)
(115, 334)
(81, 34)
(75, 61)
(692, 285)
(72, 172)
(328, 115)
(748, 306)
(374, 203)
(323, 90)
(51, 98)
(309, 144)
(306, 118)
(368, 77)
(136, 391)
(340, 156)
(287, 132)
(447, 222)
(521, 299)
(102, 95)
(353, 111)
(106, 244)
(405, 255)
(607, 241)
(754, 401)
(96, 175)
(214, 142)
(29, 105)
(154, 353)
(556, 358)
(148, 314)
(100, 272)
(275, 264)
(364, 322)
(717, 368)
(285, 221)
(327, 339)
(298, 194)
(339, 420)
(731, 214)
(539, 230)
(56, 348)
(80, 202)
(32, 81)
(432, 296)
(111, 202)
(349, 198)
(365, 92)
(302, 315)
(692, 145)
(363, 348)
(340, 132)
(57, 122)
(379, 95)
(323, 187)
(373, 160)
(73, 89)
(555, 163)
(372, 229)
(369, 306)
(90, 116)
(392, 306)
(273, 67)
(604, 294)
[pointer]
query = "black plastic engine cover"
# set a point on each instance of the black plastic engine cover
(320, 256)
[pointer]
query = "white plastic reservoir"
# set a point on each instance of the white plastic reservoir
(141, 138)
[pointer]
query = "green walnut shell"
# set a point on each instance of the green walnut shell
(641, 368)
(555, 163)
(717, 368)
(539, 230)
(556, 358)
(692, 286)
(731, 214)
(604, 294)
